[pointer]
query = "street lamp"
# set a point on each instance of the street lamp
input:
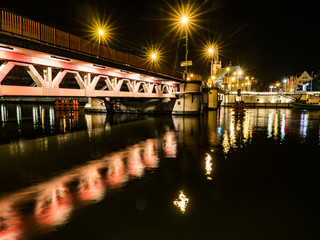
(226, 79)
(210, 51)
(184, 22)
(153, 56)
(284, 81)
(101, 33)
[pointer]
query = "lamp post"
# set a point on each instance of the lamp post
(210, 51)
(284, 81)
(184, 22)
(154, 59)
(100, 32)
(226, 80)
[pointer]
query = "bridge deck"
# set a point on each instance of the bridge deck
(19, 27)
(115, 82)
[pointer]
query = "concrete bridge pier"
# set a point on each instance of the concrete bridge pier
(187, 102)
(189, 98)
(99, 105)
(213, 98)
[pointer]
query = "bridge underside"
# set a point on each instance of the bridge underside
(56, 76)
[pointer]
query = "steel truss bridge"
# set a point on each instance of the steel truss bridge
(116, 74)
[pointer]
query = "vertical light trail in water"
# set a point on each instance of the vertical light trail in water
(182, 202)
(208, 166)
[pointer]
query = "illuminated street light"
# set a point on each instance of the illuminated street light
(101, 33)
(184, 20)
(153, 56)
(211, 51)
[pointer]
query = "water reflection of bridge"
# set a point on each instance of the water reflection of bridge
(55, 200)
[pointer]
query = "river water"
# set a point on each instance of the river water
(71, 175)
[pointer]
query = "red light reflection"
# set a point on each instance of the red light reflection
(117, 172)
(54, 206)
(151, 160)
(10, 223)
(170, 145)
(54, 201)
(135, 164)
(91, 186)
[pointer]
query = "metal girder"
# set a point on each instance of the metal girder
(86, 77)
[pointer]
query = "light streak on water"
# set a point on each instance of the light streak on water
(208, 166)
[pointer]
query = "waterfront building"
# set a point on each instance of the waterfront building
(299, 82)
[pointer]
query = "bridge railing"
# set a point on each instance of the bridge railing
(27, 28)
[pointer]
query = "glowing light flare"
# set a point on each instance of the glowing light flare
(209, 50)
(101, 32)
(99, 27)
(154, 56)
(183, 17)
(181, 202)
(184, 20)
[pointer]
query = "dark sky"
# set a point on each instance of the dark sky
(270, 39)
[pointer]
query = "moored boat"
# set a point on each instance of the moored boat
(306, 105)
(310, 102)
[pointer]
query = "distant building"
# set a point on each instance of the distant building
(232, 78)
(299, 82)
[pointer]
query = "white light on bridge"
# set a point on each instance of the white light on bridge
(61, 58)
(123, 71)
(98, 66)
(6, 47)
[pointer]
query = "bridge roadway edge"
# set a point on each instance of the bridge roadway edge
(53, 50)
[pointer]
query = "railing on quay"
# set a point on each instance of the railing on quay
(27, 28)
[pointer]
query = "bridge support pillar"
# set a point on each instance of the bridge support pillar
(189, 99)
(213, 98)
(96, 105)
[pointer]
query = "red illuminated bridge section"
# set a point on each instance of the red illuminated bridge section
(55, 202)
(51, 75)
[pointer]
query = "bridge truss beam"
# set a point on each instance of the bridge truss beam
(117, 83)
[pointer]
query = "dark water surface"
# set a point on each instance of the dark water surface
(215, 176)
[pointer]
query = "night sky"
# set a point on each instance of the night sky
(269, 39)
